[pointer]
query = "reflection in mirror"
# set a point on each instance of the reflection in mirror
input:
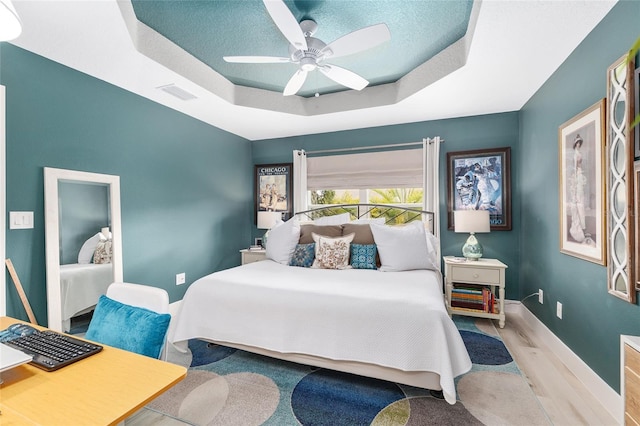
(83, 242)
(620, 181)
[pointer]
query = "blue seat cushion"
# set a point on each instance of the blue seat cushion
(128, 327)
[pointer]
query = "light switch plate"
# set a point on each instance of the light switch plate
(20, 220)
(180, 278)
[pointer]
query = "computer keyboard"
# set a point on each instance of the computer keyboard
(51, 350)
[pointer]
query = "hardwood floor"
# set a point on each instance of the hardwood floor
(565, 399)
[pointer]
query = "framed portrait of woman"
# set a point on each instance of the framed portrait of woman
(581, 143)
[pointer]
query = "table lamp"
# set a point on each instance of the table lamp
(471, 221)
(267, 220)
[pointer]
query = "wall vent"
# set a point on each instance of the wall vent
(178, 92)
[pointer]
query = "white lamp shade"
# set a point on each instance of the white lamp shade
(267, 220)
(10, 25)
(471, 221)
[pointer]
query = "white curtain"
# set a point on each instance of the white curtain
(431, 182)
(299, 181)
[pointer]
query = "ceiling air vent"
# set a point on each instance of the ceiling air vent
(178, 92)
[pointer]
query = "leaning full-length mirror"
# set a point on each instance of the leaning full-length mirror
(83, 241)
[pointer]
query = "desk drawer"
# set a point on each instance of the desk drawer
(475, 275)
(632, 384)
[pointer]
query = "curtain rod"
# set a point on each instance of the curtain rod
(362, 148)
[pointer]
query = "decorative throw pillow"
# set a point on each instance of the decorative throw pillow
(128, 327)
(363, 256)
(104, 252)
(326, 230)
(332, 253)
(363, 235)
(282, 241)
(85, 255)
(402, 248)
(303, 255)
(362, 232)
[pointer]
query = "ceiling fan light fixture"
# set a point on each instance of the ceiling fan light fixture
(309, 53)
(308, 64)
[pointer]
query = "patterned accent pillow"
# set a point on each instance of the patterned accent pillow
(103, 253)
(303, 255)
(363, 256)
(332, 253)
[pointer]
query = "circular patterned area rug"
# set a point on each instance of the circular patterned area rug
(226, 386)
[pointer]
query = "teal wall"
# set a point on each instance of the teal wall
(185, 186)
(459, 134)
(592, 319)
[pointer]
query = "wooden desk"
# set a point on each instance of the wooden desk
(103, 389)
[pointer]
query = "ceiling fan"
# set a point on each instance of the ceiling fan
(310, 53)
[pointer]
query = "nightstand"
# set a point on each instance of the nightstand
(471, 287)
(250, 256)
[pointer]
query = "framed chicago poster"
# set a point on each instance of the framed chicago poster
(481, 180)
(581, 144)
(273, 189)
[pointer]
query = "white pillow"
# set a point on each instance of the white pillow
(337, 219)
(402, 248)
(432, 248)
(378, 220)
(88, 248)
(282, 241)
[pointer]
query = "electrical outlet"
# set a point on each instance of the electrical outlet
(180, 278)
(559, 310)
(540, 296)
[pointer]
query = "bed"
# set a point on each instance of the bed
(82, 283)
(81, 286)
(386, 323)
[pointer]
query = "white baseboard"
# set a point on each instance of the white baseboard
(609, 398)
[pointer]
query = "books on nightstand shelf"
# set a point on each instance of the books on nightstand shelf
(255, 248)
(474, 298)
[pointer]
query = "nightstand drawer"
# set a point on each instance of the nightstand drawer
(475, 275)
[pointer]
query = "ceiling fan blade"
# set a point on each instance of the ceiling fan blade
(295, 83)
(255, 59)
(357, 41)
(286, 23)
(343, 76)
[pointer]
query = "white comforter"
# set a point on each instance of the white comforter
(82, 285)
(392, 319)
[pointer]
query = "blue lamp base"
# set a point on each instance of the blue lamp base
(472, 249)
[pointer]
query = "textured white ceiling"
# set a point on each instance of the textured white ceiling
(516, 46)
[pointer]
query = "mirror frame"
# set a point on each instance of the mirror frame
(52, 177)
(620, 181)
